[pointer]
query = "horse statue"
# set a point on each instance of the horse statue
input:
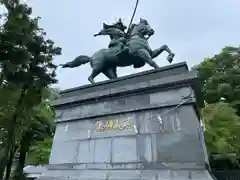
(138, 52)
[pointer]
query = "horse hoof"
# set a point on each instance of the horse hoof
(170, 57)
(91, 80)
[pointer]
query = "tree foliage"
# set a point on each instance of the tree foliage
(26, 57)
(40, 132)
(40, 152)
(27, 71)
(33, 131)
(221, 90)
(222, 129)
(221, 76)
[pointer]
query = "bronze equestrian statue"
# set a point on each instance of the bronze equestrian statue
(125, 49)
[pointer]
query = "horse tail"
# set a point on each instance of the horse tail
(78, 61)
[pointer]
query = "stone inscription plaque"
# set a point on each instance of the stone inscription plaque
(114, 125)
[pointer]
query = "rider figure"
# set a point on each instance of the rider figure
(117, 35)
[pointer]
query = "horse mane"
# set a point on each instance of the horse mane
(131, 28)
(135, 25)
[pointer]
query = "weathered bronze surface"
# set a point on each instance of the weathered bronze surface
(125, 49)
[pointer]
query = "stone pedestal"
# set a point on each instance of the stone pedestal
(142, 126)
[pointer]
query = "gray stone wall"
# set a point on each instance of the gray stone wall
(126, 103)
(173, 138)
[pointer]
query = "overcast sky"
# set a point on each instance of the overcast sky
(192, 29)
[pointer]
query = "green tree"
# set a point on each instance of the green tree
(7, 101)
(35, 131)
(40, 152)
(221, 90)
(26, 65)
(222, 129)
(221, 76)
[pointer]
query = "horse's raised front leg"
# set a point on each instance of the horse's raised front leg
(158, 51)
(144, 55)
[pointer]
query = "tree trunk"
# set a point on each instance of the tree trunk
(21, 160)
(11, 138)
(9, 164)
(1, 79)
(3, 161)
